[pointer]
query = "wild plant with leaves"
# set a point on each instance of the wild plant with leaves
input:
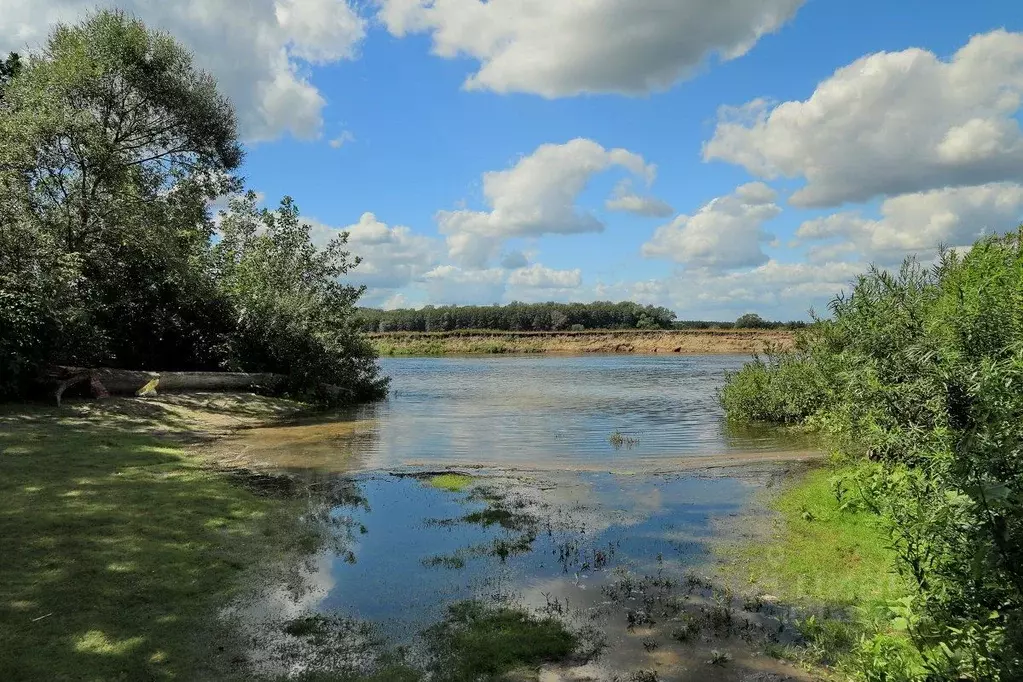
(293, 315)
(918, 376)
(112, 147)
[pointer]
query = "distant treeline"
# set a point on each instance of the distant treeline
(546, 317)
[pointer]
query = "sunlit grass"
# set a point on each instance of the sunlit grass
(118, 550)
(817, 552)
(454, 483)
(833, 563)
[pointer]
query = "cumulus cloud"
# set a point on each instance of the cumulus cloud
(392, 257)
(451, 285)
(537, 196)
(725, 233)
(919, 222)
(256, 49)
(890, 123)
(537, 276)
(513, 260)
(774, 289)
(624, 198)
(558, 48)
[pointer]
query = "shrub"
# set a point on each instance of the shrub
(919, 372)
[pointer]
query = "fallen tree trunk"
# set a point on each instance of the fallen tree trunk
(103, 381)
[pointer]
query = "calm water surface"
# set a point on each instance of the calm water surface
(563, 517)
(555, 412)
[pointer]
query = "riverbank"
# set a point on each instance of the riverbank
(683, 342)
(121, 543)
(142, 546)
(832, 564)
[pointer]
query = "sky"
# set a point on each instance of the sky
(713, 156)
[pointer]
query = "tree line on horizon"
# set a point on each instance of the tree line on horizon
(113, 146)
(548, 316)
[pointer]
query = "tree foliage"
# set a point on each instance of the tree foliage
(548, 316)
(519, 317)
(112, 147)
(293, 315)
(918, 373)
(751, 321)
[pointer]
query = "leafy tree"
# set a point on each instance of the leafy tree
(9, 69)
(294, 316)
(112, 146)
(751, 321)
(518, 316)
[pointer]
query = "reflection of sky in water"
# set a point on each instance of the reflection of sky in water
(640, 518)
(554, 411)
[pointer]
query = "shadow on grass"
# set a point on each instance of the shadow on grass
(119, 547)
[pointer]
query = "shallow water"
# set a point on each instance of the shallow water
(534, 413)
(559, 515)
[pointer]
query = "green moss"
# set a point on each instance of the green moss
(118, 550)
(477, 641)
(454, 483)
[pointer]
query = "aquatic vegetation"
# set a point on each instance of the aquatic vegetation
(482, 641)
(719, 657)
(454, 483)
(620, 440)
(453, 561)
(644, 676)
(501, 517)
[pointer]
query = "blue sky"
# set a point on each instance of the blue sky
(364, 109)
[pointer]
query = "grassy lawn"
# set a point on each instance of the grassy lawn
(833, 564)
(118, 547)
(813, 552)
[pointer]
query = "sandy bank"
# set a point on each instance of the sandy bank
(684, 342)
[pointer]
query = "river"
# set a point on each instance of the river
(584, 472)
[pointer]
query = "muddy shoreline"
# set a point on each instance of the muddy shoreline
(619, 555)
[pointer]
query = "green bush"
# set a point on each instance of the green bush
(780, 387)
(919, 373)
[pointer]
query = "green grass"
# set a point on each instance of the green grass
(454, 483)
(118, 549)
(833, 564)
(478, 641)
(817, 553)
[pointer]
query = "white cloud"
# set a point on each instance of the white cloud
(920, 222)
(395, 302)
(392, 257)
(625, 199)
(558, 48)
(341, 140)
(537, 276)
(890, 123)
(514, 260)
(537, 196)
(725, 233)
(256, 49)
(451, 285)
(774, 289)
